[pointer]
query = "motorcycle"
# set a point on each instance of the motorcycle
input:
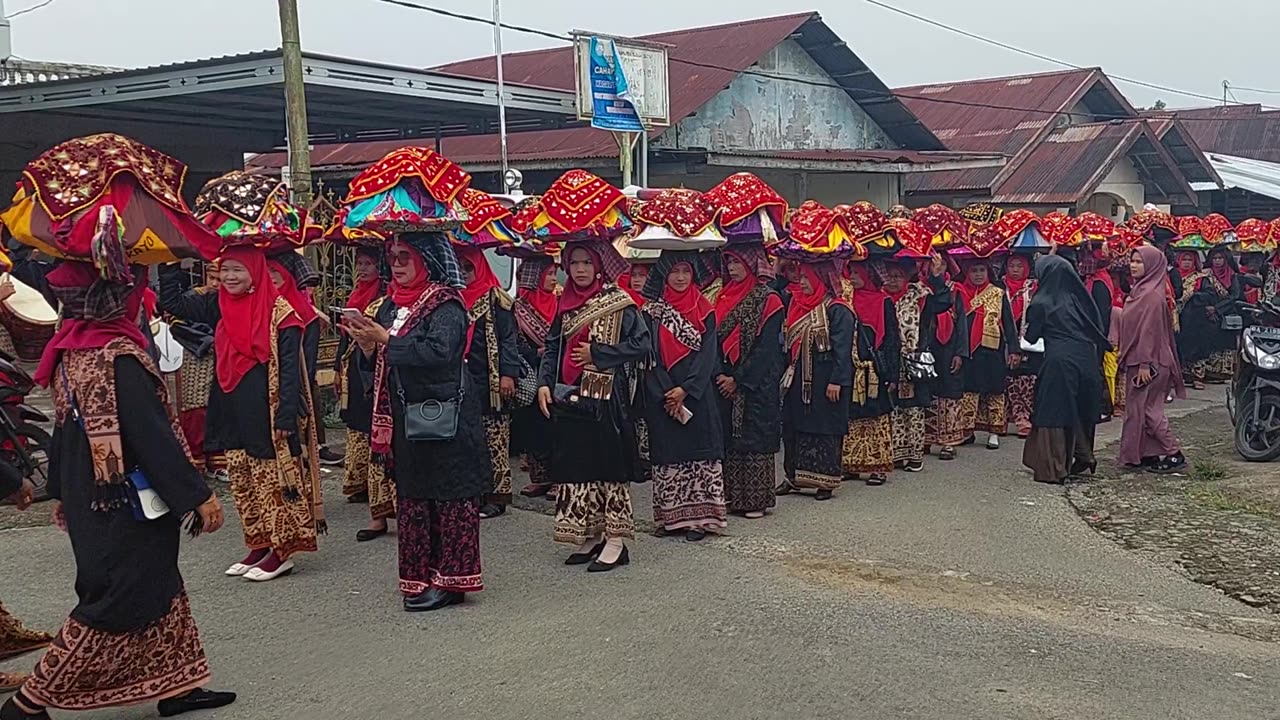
(1253, 399)
(23, 443)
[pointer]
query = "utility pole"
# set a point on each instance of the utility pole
(502, 102)
(295, 105)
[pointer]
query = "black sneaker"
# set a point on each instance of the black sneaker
(329, 457)
(1171, 464)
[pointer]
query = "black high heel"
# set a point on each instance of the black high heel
(599, 567)
(586, 557)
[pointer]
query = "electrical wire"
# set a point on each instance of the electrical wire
(1255, 90)
(33, 8)
(857, 92)
(1036, 55)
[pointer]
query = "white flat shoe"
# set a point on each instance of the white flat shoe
(993, 443)
(260, 575)
(238, 570)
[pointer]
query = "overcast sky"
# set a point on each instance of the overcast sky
(1190, 45)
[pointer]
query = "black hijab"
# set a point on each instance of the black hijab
(1063, 304)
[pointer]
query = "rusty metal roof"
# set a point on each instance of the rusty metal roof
(735, 46)
(1007, 115)
(1055, 154)
(698, 54)
(1240, 130)
(1181, 144)
(1071, 162)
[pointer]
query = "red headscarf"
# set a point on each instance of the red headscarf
(624, 282)
(1014, 287)
(968, 291)
(1226, 274)
(733, 292)
(405, 296)
(901, 292)
(149, 300)
(692, 306)
(542, 301)
(484, 281)
(868, 302)
(288, 290)
(571, 299)
(243, 336)
(85, 333)
(365, 291)
(803, 303)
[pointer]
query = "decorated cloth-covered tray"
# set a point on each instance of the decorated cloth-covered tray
(57, 205)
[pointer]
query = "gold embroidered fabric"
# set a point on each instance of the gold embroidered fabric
(990, 302)
(604, 314)
(814, 334)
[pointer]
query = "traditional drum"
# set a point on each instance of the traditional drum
(29, 319)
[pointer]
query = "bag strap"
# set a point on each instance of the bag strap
(462, 383)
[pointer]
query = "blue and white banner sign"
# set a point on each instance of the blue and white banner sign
(611, 108)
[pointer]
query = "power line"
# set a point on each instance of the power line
(1029, 53)
(1255, 90)
(33, 8)
(864, 93)
(473, 18)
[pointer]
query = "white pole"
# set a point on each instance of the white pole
(502, 102)
(644, 158)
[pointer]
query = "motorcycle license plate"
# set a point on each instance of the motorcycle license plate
(1264, 332)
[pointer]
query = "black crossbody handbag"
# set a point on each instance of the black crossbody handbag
(432, 420)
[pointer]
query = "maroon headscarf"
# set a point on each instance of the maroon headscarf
(1146, 324)
(94, 312)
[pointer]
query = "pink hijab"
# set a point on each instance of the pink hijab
(1146, 325)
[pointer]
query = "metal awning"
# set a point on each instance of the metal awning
(1257, 176)
(347, 100)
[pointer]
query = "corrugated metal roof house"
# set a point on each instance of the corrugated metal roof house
(1243, 143)
(735, 103)
(1069, 135)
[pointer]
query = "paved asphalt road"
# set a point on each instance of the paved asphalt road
(966, 591)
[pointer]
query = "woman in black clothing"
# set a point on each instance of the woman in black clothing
(991, 337)
(295, 277)
(1069, 388)
(1020, 385)
(412, 351)
(365, 479)
(493, 359)
(1093, 268)
(749, 318)
(680, 409)
(877, 357)
(131, 638)
(947, 423)
(259, 410)
(1205, 295)
(918, 305)
(595, 341)
(534, 310)
(819, 333)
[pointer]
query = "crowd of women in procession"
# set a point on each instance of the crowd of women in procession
(745, 329)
